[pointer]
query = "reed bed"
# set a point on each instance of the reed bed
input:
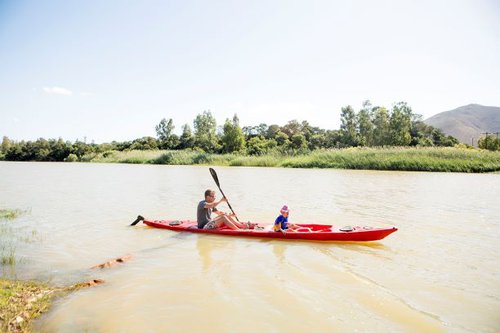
(7, 255)
(7, 248)
(131, 156)
(9, 214)
(401, 159)
(390, 158)
(8, 238)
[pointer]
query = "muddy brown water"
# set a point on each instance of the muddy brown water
(438, 273)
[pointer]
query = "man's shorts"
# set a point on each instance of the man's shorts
(210, 225)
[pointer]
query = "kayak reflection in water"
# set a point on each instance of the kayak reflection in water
(204, 214)
(281, 223)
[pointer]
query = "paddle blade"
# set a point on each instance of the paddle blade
(214, 176)
(137, 220)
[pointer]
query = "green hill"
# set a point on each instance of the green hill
(468, 123)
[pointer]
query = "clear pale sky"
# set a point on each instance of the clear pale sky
(111, 70)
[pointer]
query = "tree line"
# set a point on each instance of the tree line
(371, 126)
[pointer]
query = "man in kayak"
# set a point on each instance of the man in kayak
(204, 214)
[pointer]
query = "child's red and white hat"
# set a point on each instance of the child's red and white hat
(284, 209)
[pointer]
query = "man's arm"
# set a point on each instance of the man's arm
(215, 203)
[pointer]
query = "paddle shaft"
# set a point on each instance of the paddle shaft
(216, 179)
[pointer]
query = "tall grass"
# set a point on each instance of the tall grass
(7, 247)
(408, 159)
(9, 214)
(392, 158)
(132, 156)
(7, 255)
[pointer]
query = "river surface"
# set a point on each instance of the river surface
(440, 272)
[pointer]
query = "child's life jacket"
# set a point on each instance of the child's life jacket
(281, 223)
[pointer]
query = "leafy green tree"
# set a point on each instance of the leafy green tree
(28, 151)
(256, 146)
(144, 143)
(59, 149)
(421, 134)
(259, 145)
(281, 139)
(80, 149)
(272, 131)
(233, 140)
(424, 142)
(451, 141)
(318, 140)
(15, 152)
(489, 142)
(205, 134)
(71, 158)
(6, 143)
(121, 146)
(438, 137)
(333, 139)
(381, 130)
(41, 150)
(400, 124)
(103, 147)
(165, 135)
(252, 131)
(425, 135)
(365, 124)
(249, 132)
(298, 142)
(348, 126)
(307, 130)
(261, 129)
(173, 142)
(291, 128)
(187, 138)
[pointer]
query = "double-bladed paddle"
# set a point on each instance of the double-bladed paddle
(216, 179)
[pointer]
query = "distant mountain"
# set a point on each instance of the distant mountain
(467, 122)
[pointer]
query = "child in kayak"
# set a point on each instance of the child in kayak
(281, 223)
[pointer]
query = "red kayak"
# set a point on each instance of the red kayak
(316, 232)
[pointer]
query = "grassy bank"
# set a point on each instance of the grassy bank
(394, 158)
(21, 303)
